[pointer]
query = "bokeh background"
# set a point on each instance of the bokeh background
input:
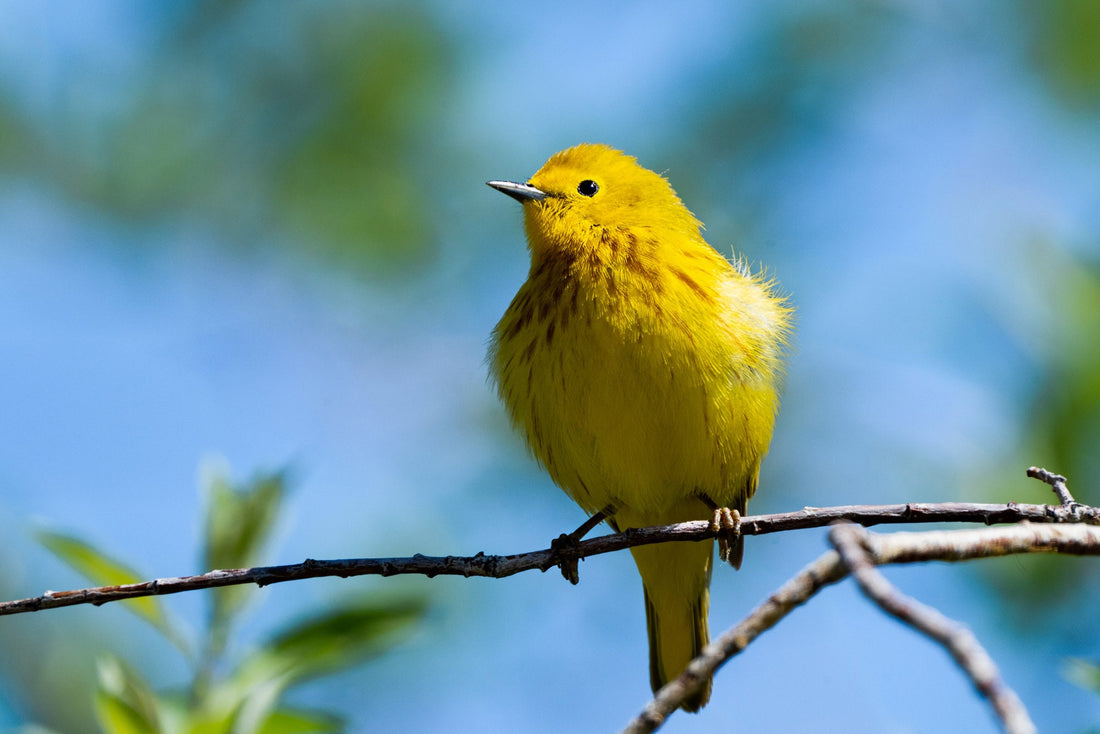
(256, 236)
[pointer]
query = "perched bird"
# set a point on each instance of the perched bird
(641, 366)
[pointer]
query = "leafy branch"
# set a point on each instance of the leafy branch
(235, 694)
(1068, 527)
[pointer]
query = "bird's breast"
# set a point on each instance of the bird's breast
(627, 391)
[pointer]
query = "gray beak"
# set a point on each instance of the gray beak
(521, 192)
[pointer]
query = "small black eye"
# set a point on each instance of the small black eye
(588, 187)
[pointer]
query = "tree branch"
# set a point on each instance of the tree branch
(826, 570)
(1069, 527)
(1057, 483)
(901, 547)
(960, 642)
(503, 566)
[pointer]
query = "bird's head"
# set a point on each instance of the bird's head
(589, 193)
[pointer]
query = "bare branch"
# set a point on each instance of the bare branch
(901, 547)
(1056, 481)
(959, 641)
(503, 566)
(828, 569)
(965, 545)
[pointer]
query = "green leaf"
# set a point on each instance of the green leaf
(320, 645)
(237, 525)
(102, 570)
(256, 710)
(90, 562)
(124, 703)
(300, 721)
(239, 519)
(256, 704)
(1065, 37)
(181, 714)
(1083, 673)
(335, 640)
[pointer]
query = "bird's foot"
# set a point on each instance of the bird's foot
(564, 550)
(726, 525)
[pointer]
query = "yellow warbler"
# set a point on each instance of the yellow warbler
(641, 366)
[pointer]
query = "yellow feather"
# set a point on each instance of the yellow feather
(642, 368)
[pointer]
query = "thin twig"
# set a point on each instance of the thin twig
(1056, 481)
(959, 641)
(901, 547)
(502, 566)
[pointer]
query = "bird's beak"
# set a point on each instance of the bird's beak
(521, 192)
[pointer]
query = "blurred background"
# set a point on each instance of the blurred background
(241, 240)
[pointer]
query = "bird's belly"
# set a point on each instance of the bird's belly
(628, 426)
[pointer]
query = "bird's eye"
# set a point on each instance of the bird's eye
(588, 187)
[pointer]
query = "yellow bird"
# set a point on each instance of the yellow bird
(641, 366)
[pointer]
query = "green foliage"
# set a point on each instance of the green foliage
(331, 641)
(124, 702)
(305, 126)
(1083, 673)
(348, 179)
(237, 523)
(1065, 39)
(1062, 423)
(1065, 412)
(235, 695)
(102, 570)
(13, 135)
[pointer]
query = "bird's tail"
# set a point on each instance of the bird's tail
(675, 577)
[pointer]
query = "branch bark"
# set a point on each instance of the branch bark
(1057, 483)
(826, 570)
(496, 566)
(851, 542)
(901, 547)
(1068, 527)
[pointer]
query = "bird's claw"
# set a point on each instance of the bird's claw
(564, 550)
(726, 525)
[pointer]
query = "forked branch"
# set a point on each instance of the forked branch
(851, 542)
(878, 549)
